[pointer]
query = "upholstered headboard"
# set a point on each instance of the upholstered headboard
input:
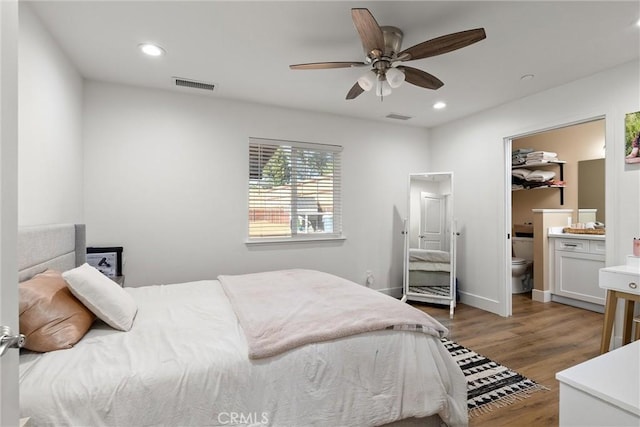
(59, 246)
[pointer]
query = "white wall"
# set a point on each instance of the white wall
(474, 150)
(166, 177)
(50, 150)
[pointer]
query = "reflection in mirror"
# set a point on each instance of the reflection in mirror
(430, 251)
(591, 190)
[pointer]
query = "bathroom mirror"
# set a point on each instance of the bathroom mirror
(591, 189)
(429, 259)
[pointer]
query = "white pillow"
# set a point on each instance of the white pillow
(106, 299)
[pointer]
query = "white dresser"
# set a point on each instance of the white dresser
(620, 282)
(604, 391)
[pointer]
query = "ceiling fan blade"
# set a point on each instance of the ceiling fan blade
(443, 44)
(421, 78)
(369, 31)
(354, 91)
(326, 65)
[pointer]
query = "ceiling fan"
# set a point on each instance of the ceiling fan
(382, 52)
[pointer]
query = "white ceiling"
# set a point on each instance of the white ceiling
(244, 48)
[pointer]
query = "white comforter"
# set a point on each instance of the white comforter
(185, 363)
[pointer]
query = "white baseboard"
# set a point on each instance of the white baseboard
(541, 296)
(577, 303)
(394, 292)
(482, 303)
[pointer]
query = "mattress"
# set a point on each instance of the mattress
(185, 362)
(429, 278)
(429, 266)
(429, 255)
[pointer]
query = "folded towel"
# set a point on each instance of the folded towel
(532, 184)
(522, 151)
(518, 159)
(539, 154)
(540, 159)
(540, 176)
(521, 172)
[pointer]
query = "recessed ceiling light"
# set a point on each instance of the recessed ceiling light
(151, 49)
(526, 77)
(638, 22)
(439, 105)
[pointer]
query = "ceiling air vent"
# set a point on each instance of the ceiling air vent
(397, 116)
(193, 84)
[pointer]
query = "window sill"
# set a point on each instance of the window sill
(294, 240)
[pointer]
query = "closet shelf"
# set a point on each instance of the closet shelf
(539, 165)
(533, 166)
(541, 187)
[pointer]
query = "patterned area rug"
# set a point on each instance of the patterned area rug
(442, 291)
(489, 384)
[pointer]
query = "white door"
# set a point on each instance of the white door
(9, 409)
(432, 221)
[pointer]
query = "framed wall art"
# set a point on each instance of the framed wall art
(108, 260)
(632, 138)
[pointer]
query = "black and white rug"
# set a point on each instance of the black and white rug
(489, 384)
(441, 291)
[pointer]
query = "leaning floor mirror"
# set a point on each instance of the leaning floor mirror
(430, 241)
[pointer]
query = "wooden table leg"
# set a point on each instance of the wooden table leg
(629, 305)
(609, 317)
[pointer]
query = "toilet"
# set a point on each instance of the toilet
(522, 265)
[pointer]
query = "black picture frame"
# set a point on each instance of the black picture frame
(107, 260)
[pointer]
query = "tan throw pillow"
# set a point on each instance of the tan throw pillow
(50, 316)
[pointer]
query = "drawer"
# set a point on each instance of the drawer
(597, 247)
(573, 245)
(624, 282)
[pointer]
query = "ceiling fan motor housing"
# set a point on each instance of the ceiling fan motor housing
(392, 41)
(392, 45)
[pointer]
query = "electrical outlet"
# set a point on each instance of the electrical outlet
(369, 280)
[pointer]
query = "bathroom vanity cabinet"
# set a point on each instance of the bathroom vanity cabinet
(575, 261)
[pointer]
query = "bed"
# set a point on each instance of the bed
(190, 359)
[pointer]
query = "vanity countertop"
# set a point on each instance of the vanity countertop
(577, 236)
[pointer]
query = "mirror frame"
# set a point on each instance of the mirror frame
(450, 235)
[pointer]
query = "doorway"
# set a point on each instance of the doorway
(573, 143)
(432, 222)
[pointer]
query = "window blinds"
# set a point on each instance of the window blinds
(294, 189)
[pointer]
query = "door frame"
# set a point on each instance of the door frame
(507, 307)
(9, 388)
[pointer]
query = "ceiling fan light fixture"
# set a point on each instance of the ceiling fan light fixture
(395, 77)
(368, 80)
(383, 88)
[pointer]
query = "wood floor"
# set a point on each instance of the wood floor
(539, 340)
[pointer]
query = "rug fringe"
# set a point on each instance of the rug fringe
(506, 401)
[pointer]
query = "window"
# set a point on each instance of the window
(294, 190)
